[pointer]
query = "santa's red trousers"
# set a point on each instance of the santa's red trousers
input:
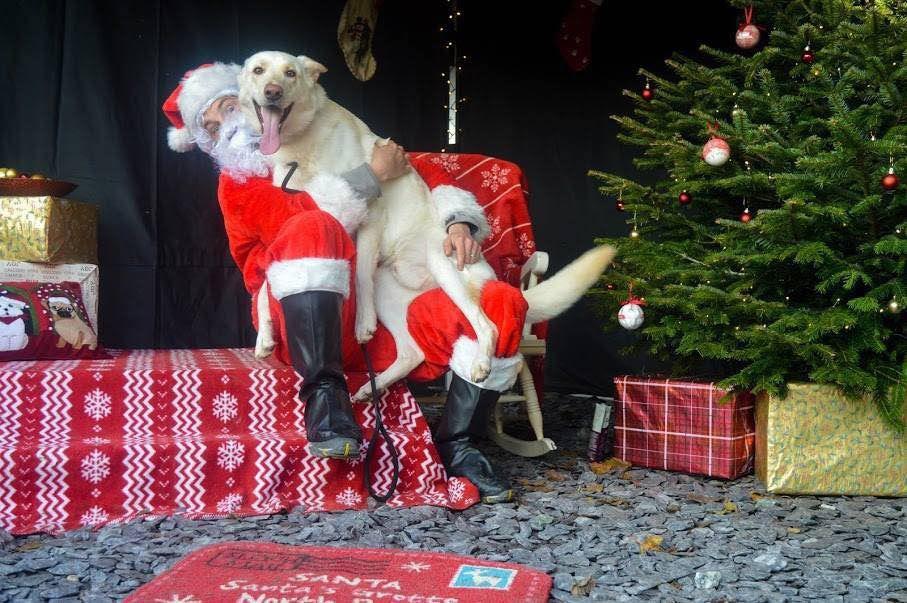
(312, 252)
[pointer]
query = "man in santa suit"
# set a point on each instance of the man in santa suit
(301, 246)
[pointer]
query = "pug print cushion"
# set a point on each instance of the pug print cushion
(45, 321)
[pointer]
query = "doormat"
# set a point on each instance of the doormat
(262, 572)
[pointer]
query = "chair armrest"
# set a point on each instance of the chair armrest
(536, 265)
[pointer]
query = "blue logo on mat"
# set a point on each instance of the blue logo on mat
(479, 576)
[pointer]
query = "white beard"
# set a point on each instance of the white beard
(236, 152)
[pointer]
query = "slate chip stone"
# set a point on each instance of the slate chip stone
(772, 548)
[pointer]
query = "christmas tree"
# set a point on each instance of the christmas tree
(771, 240)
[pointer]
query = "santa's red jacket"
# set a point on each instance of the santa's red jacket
(302, 241)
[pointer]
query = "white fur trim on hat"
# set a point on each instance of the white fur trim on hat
(288, 277)
(200, 89)
(450, 200)
(180, 139)
(59, 300)
(335, 196)
(504, 371)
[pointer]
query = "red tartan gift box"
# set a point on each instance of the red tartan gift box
(684, 426)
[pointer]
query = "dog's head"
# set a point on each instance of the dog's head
(10, 307)
(60, 307)
(279, 94)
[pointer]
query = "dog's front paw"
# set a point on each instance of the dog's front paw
(366, 325)
(364, 394)
(264, 344)
(481, 368)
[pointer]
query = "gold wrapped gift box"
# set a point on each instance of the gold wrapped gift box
(48, 229)
(816, 441)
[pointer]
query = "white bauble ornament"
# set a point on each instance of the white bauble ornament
(630, 316)
(747, 36)
(716, 151)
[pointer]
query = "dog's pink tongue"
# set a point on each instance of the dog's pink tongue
(270, 131)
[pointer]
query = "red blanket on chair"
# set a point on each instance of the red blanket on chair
(202, 433)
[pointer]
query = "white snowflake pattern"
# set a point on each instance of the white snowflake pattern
(95, 466)
(526, 245)
(415, 566)
(231, 454)
(225, 379)
(94, 516)
(349, 497)
(495, 178)
(494, 224)
(97, 404)
(450, 162)
(456, 489)
(350, 476)
(97, 441)
(230, 503)
(224, 406)
(426, 436)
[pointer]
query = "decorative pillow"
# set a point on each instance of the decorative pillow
(45, 321)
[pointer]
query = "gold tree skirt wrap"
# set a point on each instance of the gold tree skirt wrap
(48, 229)
(816, 441)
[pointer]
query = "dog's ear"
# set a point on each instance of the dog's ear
(312, 68)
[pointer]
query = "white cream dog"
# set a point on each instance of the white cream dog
(12, 324)
(400, 242)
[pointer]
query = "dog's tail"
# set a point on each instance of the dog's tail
(554, 295)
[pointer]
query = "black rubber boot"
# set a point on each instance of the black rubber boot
(466, 414)
(313, 337)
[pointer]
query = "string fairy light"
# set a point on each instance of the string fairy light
(452, 76)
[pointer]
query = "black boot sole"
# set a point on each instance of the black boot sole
(335, 448)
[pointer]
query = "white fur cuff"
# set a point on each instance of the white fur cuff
(309, 274)
(504, 371)
(450, 200)
(335, 196)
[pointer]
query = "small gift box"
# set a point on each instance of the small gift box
(687, 426)
(48, 229)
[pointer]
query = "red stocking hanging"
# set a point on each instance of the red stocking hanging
(574, 38)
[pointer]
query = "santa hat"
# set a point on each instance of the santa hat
(196, 92)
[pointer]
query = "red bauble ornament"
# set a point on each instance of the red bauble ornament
(890, 181)
(746, 216)
(619, 205)
(685, 198)
(610, 286)
(647, 93)
(807, 56)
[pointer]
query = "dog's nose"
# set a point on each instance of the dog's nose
(273, 92)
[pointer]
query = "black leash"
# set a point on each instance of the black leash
(286, 179)
(379, 431)
(373, 442)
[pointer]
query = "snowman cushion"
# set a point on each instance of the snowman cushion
(45, 321)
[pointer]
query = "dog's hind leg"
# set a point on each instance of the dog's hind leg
(368, 247)
(392, 301)
(264, 341)
(453, 283)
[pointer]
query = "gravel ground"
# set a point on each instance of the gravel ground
(719, 541)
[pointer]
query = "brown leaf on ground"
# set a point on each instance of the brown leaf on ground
(700, 498)
(582, 587)
(650, 543)
(31, 545)
(592, 488)
(728, 507)
(754, 496)
(556, 476)
(792, 530)
(537, 485)
(609, 465)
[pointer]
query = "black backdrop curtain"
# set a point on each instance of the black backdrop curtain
(82, 81)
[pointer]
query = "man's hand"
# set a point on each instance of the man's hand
(459, 239)
(388, 161)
